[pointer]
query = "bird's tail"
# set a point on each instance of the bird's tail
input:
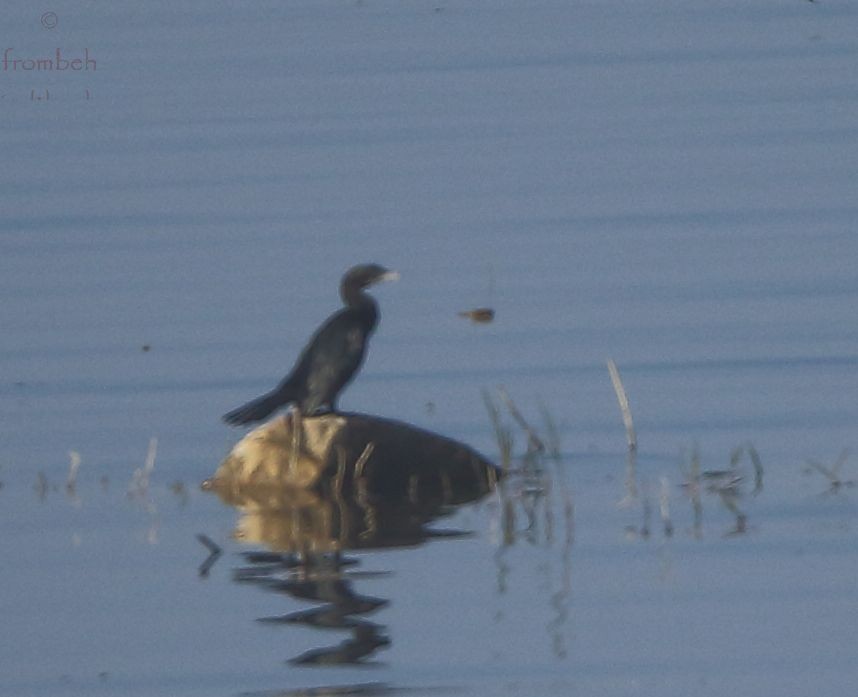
(257, 409)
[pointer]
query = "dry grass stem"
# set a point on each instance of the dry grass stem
(363, 459)
(758, 469)
(569, 518)
(296, 441)
(140, 480)
(74, 466)
(552, 434)
(664, 506)
(623, 400)
(41, 486)
(630, 479)
(833, 473)
(692, 488)
(647, 512)
(503, 435)
(534, 442)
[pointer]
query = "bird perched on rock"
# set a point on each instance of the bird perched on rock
(332, 356)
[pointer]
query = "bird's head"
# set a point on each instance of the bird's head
(365, 275)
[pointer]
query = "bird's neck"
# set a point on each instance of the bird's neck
(355, 297)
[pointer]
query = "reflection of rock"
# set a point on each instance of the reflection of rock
(297, 520)
(355, 450)
(346, 481)
(318, 486)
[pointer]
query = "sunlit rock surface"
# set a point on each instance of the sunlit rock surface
(343, 481)
(342, 450)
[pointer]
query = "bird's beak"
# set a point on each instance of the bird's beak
(389, 276)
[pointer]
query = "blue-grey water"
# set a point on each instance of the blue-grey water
(671, 186)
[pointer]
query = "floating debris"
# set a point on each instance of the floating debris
(479, 315)
(181, 491)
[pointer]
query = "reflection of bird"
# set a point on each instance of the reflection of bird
(331, 358)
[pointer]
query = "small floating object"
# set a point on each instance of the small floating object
(479, 315)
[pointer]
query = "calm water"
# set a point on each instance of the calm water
(671, 186)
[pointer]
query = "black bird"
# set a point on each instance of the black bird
(331, 358)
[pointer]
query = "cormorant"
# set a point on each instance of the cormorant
(331, 358)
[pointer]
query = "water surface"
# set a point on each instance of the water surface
(670, 186)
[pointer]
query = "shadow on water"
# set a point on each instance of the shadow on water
(309, 490)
